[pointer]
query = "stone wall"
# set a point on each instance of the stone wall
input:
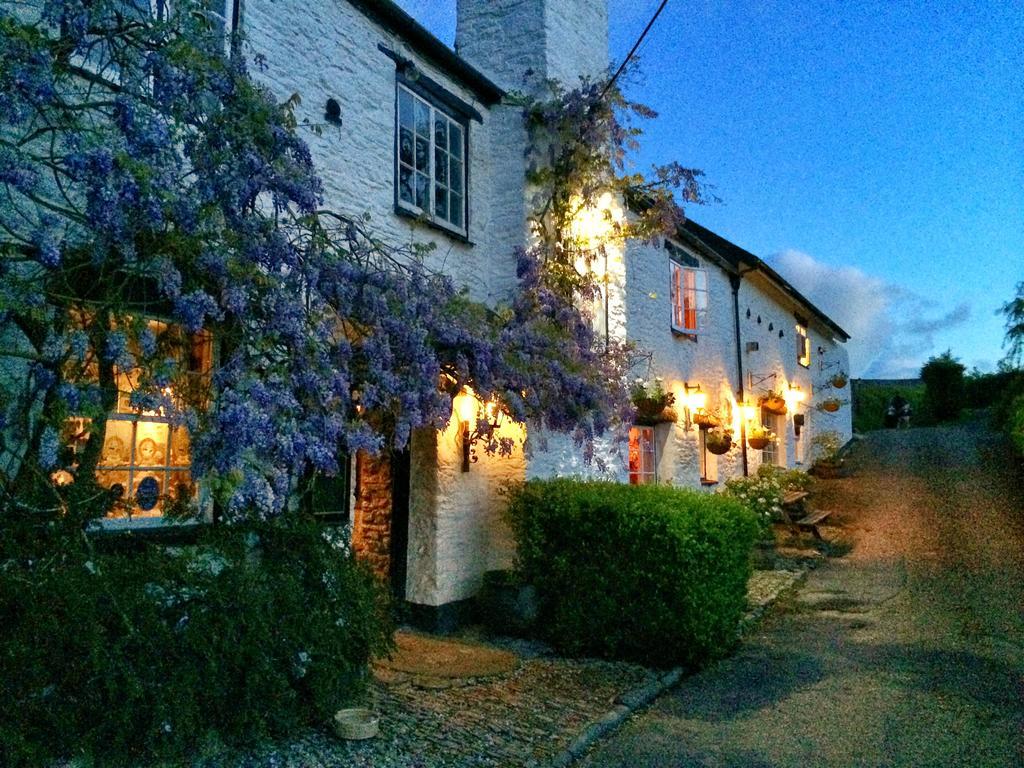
(330, 50)
(371, 523)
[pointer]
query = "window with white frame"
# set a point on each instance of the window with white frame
(430, 147)
(222, 16)
(774, 452)
(642, 456)
(146, 458)
(689, 293)
(803, 346)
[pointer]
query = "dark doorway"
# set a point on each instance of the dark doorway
(400, 465)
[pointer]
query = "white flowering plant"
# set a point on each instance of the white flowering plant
(762, 492)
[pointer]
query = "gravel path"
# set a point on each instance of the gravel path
(907, 652)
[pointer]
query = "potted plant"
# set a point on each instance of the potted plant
(825, 450)
(758, 437)
(831, 405)
(653, 404)
(718, 440)
(774, 402)
(839, 380)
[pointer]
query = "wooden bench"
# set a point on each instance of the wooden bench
(805, 522)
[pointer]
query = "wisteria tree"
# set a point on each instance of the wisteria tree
(145, 174)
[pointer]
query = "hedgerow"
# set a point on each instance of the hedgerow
(128, 652)
(645, 573)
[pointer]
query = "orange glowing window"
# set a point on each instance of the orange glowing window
(642, 457)
(689, 292)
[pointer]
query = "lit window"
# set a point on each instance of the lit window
(773, 453)
(803, 346)
(431, 167)
(689, 292)
(642, 458)
(146, 461)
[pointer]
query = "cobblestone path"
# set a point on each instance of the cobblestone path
(907, 652)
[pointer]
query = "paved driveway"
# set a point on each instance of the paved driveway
(907, 652)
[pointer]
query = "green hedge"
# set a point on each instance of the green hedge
(645, 573)
(131, 654)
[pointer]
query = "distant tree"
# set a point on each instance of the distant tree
(943, 378)
(1014, 341)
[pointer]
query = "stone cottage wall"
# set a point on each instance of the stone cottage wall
(371, 519)
(778, 355)
(709, 359)
(330, 50)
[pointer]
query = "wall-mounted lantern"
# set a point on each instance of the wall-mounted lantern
(794, 395)
(694, 400)
(464, 408)
(476, 420)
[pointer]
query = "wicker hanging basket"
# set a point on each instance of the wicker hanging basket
(774, 404)
(758, 443)
(718, 444)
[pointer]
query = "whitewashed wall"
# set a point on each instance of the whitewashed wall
(330, 50)
(456, 531)
(778, 356)
(709, 360)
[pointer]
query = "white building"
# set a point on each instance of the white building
(423, 139)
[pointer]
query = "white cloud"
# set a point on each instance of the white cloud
(892, 330)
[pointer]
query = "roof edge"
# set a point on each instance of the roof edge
(392, 17)
(702, 234)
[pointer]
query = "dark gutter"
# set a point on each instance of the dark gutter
(397, 21)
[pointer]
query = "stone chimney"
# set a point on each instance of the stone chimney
(521, 43)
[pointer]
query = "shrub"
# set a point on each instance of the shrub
(128, 653)
(762, 492)
(1015, 423)
(646, 573)
(870, 400)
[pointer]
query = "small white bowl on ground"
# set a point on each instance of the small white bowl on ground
(356, 723)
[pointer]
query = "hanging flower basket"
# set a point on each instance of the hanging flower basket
(831, 405)
(717, 441)
(653, 404)
(839, 380)
(651, 416)
(774, 403)
(758, 438)
(706, 420)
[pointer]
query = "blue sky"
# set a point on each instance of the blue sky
(872, 152)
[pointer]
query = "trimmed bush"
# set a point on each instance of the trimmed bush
(135, 652)
(650, 574)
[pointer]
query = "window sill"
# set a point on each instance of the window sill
(689, 336)
(145, 528)
(454, 234)
(706, 483)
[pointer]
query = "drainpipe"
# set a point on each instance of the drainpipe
(734, 281)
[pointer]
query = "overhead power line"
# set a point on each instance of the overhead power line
(636, 46)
